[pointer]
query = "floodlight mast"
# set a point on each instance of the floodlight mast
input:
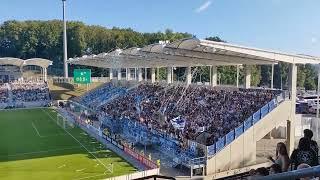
(65, 55)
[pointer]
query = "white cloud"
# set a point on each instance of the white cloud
(203, 7)
(314, 40)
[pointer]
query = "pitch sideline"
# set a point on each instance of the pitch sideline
(77, 141)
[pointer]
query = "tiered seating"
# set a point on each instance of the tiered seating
(29, 91)
(99, 96)
(4, 93)
(187, 111)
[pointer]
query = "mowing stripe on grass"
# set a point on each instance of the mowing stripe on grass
(77, 141)
(40, 152)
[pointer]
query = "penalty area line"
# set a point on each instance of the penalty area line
(35, 128)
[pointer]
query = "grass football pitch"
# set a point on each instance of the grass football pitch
(33, 146)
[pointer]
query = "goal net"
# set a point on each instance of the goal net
(63, 122)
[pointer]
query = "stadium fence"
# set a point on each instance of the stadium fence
(137, 175)
(96, 133)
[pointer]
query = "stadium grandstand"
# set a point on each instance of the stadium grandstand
(18, 88)
(211, 130)
(170, 128)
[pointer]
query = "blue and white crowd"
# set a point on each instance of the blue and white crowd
(24, 92)
(186, 112)
(98, 96)
(3, 93)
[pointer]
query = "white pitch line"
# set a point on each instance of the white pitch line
(78, 142)
(62, 166)
(79, 170)
(35, 128)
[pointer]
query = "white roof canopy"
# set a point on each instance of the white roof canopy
(44, 63)
(189, 52)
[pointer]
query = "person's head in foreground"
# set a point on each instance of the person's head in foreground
(304, 144)
(281, 149)
(308, 133)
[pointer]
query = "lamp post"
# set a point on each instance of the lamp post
(65, 55)
(318, 104)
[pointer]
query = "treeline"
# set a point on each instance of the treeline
(28, 39)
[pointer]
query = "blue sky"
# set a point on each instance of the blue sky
(283, 25)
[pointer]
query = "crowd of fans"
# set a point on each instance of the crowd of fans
(3, 93)
(29, 91)
(97, 96)
(199, 108)
(305, 156)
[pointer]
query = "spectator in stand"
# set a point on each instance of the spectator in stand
(275, 169)
(304, 154)
(313, 144)
(282, 157)
(215, 111)
(29, 91)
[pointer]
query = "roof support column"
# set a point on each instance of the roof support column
(110, 73)
(189, 75)
(45, 74)
(146, 74)
(169, 75)
(272, 72)
(238, 70)
(128, 74)
(119, 74)
(140, 74)
(292, 76)
(153, 75)
(247, 78)
(214, 76)
(42, 73)
(158, 74)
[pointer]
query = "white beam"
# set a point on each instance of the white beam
(119, 74)
(153, 75)
(247, 77)
(128, 74)
(238, 72)
(169, 75)
(214, 76)
(272, 73)
(188, 75)
(110, 73)
(292, 76)
(140, 74)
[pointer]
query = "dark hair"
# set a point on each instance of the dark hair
(262, 171)
(308, 133)
(276, 168)
(282, 150)
(304, 144)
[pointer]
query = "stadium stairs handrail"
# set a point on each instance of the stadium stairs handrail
(233, 134)
(296, 174)
(155, 177)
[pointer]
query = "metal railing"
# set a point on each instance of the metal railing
(301, 173)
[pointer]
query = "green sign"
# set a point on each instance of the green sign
(82, 76)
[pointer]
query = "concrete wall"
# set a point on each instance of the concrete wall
(136, 175)
(242, 151)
